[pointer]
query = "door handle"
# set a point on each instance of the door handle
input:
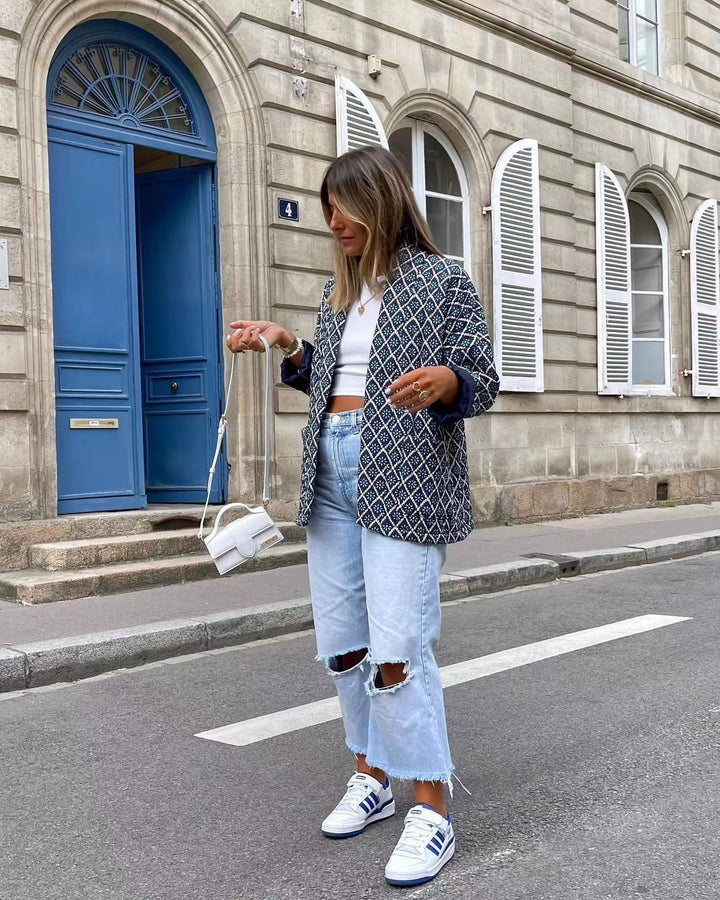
(174, 385)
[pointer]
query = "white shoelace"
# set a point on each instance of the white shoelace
(354, 795)
(415, 837)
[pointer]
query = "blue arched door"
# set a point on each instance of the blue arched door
(136, 303)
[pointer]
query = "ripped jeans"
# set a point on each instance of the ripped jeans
(374, 593)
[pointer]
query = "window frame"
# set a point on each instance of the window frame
(633, 16)
(651, 206)
(418, 129)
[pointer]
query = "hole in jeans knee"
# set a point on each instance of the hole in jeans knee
(388, 676)
(345, 662)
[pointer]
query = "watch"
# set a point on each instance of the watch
(292, 348)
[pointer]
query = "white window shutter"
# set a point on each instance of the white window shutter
(705, 300)
(517, 269)
(612, 240)
(358, 124)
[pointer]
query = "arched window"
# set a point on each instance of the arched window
(439, 183)
(115, 80)
(649, 292)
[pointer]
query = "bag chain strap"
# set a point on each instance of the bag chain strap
(222, 425)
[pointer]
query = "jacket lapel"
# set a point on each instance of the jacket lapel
(385, 316)
(336, 323)
(333, 332)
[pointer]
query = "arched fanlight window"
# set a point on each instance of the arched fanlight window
(649, 292)
(109, 79)
(115, 81)
(439, 183)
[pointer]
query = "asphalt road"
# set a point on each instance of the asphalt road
(595, 775)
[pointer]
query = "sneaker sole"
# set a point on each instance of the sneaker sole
(446, 857)
(383, 813)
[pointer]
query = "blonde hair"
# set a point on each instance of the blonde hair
(370, 187)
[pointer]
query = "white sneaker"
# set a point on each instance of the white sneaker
(365, 801)
(427, 843)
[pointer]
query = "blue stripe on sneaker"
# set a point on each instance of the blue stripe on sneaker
(365, 806)
(375, 797)
(436, 843)
(449, 844)
(433, 850)
(381, 808)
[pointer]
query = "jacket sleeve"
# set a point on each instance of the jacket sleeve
(298, 377)
(467, 352)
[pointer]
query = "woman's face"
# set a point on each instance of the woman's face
(352, 235)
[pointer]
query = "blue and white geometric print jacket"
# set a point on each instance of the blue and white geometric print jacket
(413, 473)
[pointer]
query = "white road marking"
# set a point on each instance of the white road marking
(252, 730)
(261, 728)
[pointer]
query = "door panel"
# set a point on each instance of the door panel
(177, 439)
(95, 324)
(179, 339)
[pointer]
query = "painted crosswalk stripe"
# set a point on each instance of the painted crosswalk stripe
(261, 728)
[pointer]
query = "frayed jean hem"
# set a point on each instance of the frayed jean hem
(355, 748)
(405, 775)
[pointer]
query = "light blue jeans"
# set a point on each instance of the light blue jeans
(374, 593)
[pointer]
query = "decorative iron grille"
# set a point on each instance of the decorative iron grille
(125, 84)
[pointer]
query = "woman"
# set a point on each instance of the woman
(401, 355)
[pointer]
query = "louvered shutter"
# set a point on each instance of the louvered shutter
(517, 270)
(705, 300)
(358, 125)
(614, 326)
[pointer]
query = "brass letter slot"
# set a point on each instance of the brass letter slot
(93, 423)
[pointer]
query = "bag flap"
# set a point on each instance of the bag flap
(241, 534)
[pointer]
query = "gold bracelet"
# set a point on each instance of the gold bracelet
(292, 348)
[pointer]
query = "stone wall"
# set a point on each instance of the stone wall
(488, 73)
(15, 475)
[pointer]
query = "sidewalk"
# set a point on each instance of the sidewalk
(165, 621)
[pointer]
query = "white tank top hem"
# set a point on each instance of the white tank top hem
(354, 350)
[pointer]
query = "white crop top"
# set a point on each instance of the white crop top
(354, 351)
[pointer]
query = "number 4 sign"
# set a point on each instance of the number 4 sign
(289, 209)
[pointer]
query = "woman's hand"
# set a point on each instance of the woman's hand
(245, 337)
(422, 387)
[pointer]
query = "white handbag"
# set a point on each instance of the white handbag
(243, 538)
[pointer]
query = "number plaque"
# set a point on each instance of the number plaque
(289, 209)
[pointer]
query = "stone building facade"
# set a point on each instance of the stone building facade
(473, 77)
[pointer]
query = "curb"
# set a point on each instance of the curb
(47, 662)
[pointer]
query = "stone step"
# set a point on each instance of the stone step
(105, 551)
(32, 586)
(16, 538)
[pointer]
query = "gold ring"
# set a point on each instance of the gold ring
(423, 395)
(416, 386)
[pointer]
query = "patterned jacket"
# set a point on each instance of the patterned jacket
(413, 475)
